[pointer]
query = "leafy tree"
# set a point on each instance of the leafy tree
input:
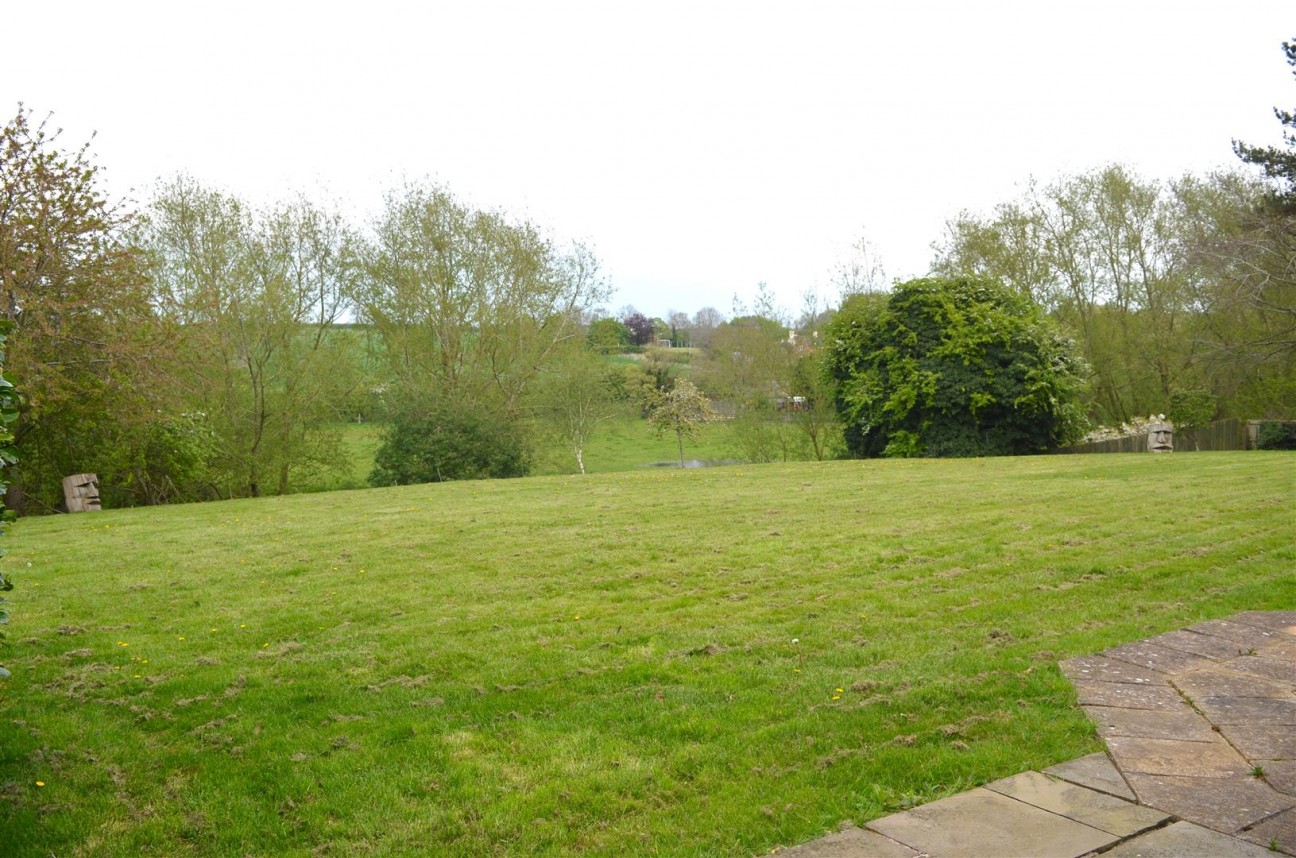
(683, 410)
(8, 456)
(1112, 257)
(749, 362)
(470, 305)
(1279, 164)
(607, 336)
(574, 397)
(952, 367)
(705, 321)
(256, 295)
(449, 440)
(813, 411)
(85, 346)
(642, 331)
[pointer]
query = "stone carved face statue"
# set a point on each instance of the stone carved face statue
(1160, 438)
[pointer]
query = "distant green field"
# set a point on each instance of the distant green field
(653, 662)
(622, 444)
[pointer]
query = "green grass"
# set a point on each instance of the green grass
(624, 443)
(629, 443)
(708, 662)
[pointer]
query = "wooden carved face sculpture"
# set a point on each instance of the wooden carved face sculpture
(1160, 438)
(81, 493)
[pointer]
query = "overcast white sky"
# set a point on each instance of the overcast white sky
(700, 147)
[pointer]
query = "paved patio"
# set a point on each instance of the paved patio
(1200, 726)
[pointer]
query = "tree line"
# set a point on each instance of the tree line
(197, 346)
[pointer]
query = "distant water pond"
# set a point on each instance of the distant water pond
(694, 463)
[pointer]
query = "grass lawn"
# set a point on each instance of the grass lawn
(704, 662)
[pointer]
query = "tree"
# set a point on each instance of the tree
(953, 367)
(574, 397)
(8, 457)
(683, 410)
(679, 328)
(1279, 164)
(705, 321)
(640, 327)
(813, 410)
(470, 305)
(256, 296)
(447, 440)
(607, 336)
(1110, 256)
(85, 347)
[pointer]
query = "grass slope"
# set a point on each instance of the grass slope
(706, 662)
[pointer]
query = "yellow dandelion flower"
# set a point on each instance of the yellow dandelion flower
(839, 691)
(836, 697)
(40, 783)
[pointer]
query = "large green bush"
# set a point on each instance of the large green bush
(449, 441)
(958, 366)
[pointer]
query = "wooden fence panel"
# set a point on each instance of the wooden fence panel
(1231, 434)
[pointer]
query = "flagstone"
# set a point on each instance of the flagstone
(1224, 804)
(1102, 811)
(1223, 711)
(1159, 658)
(1280, 774)
(1095, 771)
(1276, 832)
(1175, 757)
(1244, 635)
(983, 822)
(1263, 741)
(1185, 840)
(1128, 695)
(1221, 681)
(1207, 646)
(1099, 669)
(851, 843)
(1265, 667)
(1184, 724)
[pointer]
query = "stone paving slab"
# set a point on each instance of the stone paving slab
(1263, 742)
(852, 843)
(1098, 669)
(1276, 832)
(1104, 812)
(1162, 659)
(1221, 680)
(1096, 772)
(1185, 840)
(1224, 804)
(1128, 696)
(1183, 724)
(983, 822)
(1280, 774)
(1244, 635)
(1174, 757)
(1243, 711)
(1207, 646)
(1278, 669)
(1279, 621)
